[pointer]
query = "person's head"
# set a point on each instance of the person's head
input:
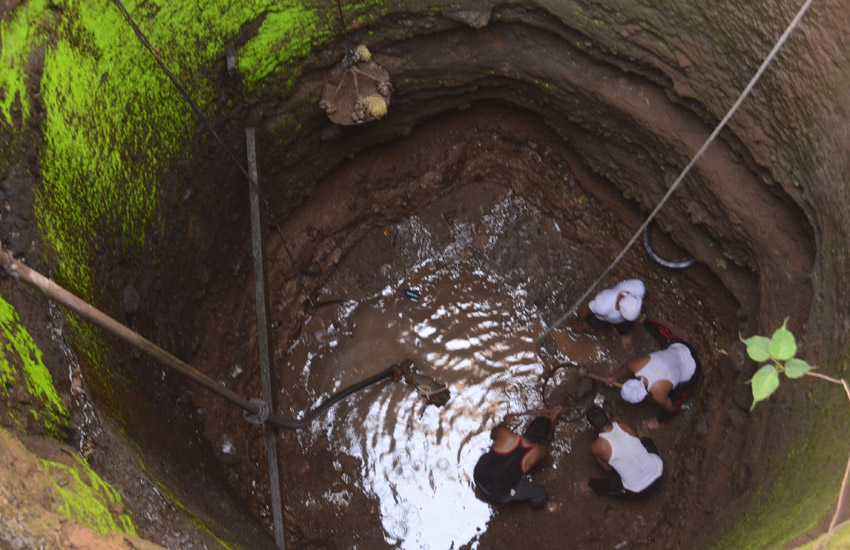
(538, 429)
(634, 391)
(629, 305)
(597, 417)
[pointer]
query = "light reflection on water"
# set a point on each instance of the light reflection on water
(468, 332)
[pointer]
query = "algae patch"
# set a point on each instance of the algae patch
(174, 501)
(19, 35)
(91, 502)
(21, 358)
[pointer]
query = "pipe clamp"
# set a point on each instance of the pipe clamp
(262, 414)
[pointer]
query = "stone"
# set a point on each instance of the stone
(227, 452)
(742, 395)
(331, 132)
(130, 299)
(477, 19)
(702, 427)
(739, 418)
(584, 388)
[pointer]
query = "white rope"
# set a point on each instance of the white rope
(744, 94)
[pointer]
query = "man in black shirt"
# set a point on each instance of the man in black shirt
(498, 474)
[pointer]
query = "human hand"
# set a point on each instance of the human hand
(611, 381)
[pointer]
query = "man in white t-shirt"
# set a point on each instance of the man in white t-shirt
(668, 375)
(619, 306)
(635, 462)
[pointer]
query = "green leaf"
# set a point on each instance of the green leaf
(782, 345)
(795, 368)
(765, 383)
(757, 348)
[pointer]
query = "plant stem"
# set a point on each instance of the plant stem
(840, 505)
(824, 377)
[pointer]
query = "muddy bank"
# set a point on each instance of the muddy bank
(499, 238)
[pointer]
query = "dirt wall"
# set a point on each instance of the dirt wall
(138, 210)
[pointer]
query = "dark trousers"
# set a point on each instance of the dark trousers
(612, 485)
(522, 490)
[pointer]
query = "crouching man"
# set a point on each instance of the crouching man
(635, 463)
(498, 473)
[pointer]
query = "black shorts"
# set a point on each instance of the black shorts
(612, 486)
(534, 493)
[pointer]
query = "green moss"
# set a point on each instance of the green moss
(87, 498)
(18, 36)
(289, 30)
(110, 128)
(803, 494)
(114, 122)
(840, 541)
(166, 492)
(20, 357)
(111, 391)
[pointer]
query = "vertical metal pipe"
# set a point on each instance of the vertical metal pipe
(264, 340)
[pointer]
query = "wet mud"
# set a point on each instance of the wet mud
(494, 260)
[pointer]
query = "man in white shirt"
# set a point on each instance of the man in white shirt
(668, 375)
(636, 465)
(619, 306)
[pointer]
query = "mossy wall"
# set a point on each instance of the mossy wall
(25, 379)
(113, 126)
(87, 499)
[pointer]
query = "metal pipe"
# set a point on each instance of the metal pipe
(264, 340)
(88, 312)
(17, 270)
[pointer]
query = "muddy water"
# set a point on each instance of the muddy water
(468, 331)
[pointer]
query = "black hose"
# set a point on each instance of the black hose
(282, 423)
(681, 263)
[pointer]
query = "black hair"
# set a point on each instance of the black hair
(597, 417)
(538, 429)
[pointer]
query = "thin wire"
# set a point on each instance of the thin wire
(744, 94)
(146, 43)
(341, 20)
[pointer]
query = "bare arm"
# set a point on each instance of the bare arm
(620, 373)
(661, 394)
(601, 452)
(626, 427)
(553, 416)
(667, 404)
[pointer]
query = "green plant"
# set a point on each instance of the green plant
(778, 353)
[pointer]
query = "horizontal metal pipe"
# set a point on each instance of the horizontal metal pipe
(88, 312)
(107, 323)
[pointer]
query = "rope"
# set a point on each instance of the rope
(720, 126)
(341, 20)
(146, 43)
